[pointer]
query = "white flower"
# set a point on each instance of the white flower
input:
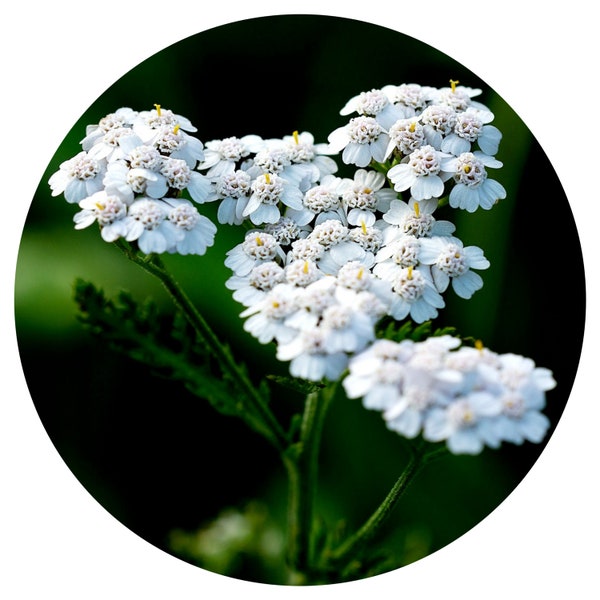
(438, 121)
(151, 228)
(109, 211)
(406, 136)
(148, 123)
(470, 126)
(198, 231)
(109, 146)
(459, 97)
(267, 317)
(267, 192)
(466, 424)
(363, 196)
(251, 288)
(523, 397)
(224, 156)
(127, 182)
(285, 231)
(256, 248)
(309, 358)
(302, 272)
(78, 177)
(320, 202)
(376, 374)
(414, 218)
(423, 171)
(452, 262)
(123, 117)
(413, 97)
(374, 103)
(179, 176)
(415, 296)
(396, 256)
(363, 139)
(176, 143)
(233, 189)
(303, 149)
(472, 188)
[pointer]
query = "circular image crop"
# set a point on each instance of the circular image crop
(305, 299)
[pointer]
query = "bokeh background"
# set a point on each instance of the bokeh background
(162, 461)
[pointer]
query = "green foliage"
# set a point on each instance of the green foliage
(166, 344)
(390, 329)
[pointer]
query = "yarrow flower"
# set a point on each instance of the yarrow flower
(131, 179)
(326, 262)
(467, 397)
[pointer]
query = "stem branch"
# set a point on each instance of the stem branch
(153, 265)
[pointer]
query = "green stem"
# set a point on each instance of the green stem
(344, 554)
(153, 265)
(302, 461)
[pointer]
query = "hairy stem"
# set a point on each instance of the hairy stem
(153, 265)
(353, 545)
(302, 461)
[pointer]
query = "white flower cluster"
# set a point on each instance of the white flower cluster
(129, 178)
(326, 257)
(434, 135)
(469, 397)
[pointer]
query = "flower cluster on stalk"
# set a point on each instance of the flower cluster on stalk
(325, 257)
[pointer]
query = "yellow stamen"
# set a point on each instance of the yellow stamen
(410, 271)
(275, 304)
(479, 345)
(100, 206)
(363, 226)
(305, 268)
(367, 190)
(467, 169)
(259, 242)
(267, 178)
(296, 138)
(157, 107)
(360, 274)
(417, 209)
(176, 129)
(412, 127)
(453, 83)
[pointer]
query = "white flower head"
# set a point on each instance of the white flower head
(151, 228)
(452, 262)
(198, 231)
(257, 247)
(423, 171)
(415, 295)
(148, 123)
(415, 218)
(406, 136)
(128, 183)
(470, 127)
(466, 424)
(78, 177)
(251, 288)
(176, 143)
(268, 192)
(122, 117)
(374, 103)
(109, 211)
(473, 189)
(224, 156)
(362, 140)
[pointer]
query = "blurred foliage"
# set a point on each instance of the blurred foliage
(162, 461)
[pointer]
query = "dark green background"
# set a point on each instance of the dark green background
(158, 458)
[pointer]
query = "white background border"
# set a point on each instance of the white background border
(58, 57)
